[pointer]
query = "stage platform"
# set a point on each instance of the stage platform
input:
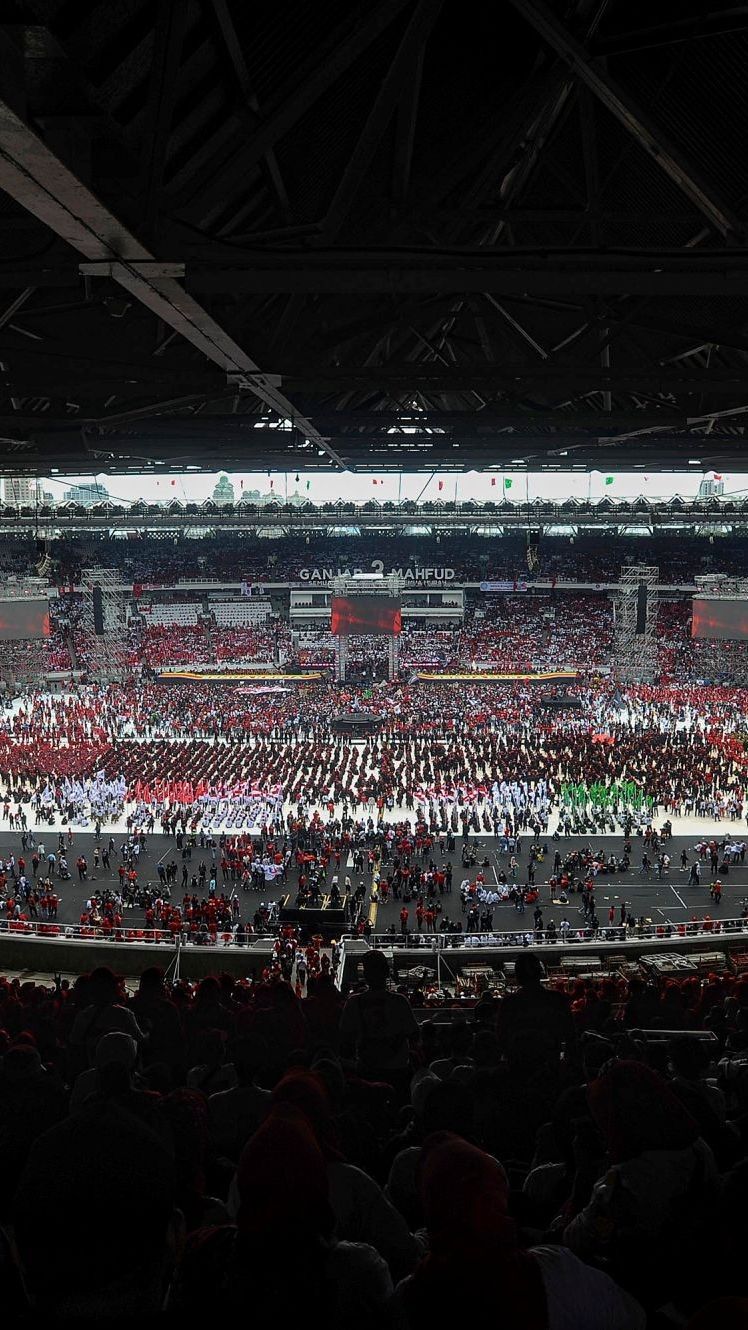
(355, 723)
(325, 918)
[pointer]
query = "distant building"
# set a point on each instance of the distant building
(86, 495)
(224, 491)
(711, 487)
(21, 489)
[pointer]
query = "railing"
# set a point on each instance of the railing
(49, 930)
(574, 936)
(53, 930)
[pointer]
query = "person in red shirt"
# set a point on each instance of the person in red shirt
(404, 916)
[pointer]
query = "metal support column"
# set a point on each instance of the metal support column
(393, 668)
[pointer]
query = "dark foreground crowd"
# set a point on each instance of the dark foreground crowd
(227, 1150)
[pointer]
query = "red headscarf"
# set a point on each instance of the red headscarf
(307, 1092)
(636, 1110)
(282, 1180)
(465, 1196)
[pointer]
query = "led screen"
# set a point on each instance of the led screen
(354, 616)
(725, 620)
(21, 619)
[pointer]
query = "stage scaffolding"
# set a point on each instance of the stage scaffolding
(105, 654)
(635, 654)
(360, 587)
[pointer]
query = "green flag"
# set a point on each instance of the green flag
(507, 483)
(309, 484)
(609, 480)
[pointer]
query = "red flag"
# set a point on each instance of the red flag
(241, 484)
(441, 484)
(272, 483)
(173, 482)
(374, 482)
(493, 480)
(716, 477)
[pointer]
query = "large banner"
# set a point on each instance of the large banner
(415, 574)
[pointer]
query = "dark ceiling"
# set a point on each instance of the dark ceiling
(407, 234)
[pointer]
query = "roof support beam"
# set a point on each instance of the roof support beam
(407, 116)
(355, 38)
(170, 26)
(39, 181)
(413, 41)
(633, 118)
(235, 54)
(415, 36)
(480, 274)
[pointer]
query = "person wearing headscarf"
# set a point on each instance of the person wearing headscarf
(361, 1211)
(465, 1199)
(282, 1246)
(644, 1211)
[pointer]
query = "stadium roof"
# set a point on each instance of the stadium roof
(399, 235)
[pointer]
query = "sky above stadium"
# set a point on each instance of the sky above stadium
(196, 487)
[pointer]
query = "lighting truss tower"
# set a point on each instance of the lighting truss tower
(393, 659)
(635, 653)
(105, 653)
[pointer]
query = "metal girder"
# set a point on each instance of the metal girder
(638, 123)
(505, 272)
(416, 34)
(555, 380)
(235, 54)
(697, 27)
(540, 124)
(351, 41)
(39, 181)
(15, 305)
(405, 131)
(170, 27)
(488, 273)
(518, 327)
(149, 454)
(422, 21)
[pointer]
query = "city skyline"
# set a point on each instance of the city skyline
(517, 487)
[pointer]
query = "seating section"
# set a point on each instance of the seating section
(181, 612)
(240, 613)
